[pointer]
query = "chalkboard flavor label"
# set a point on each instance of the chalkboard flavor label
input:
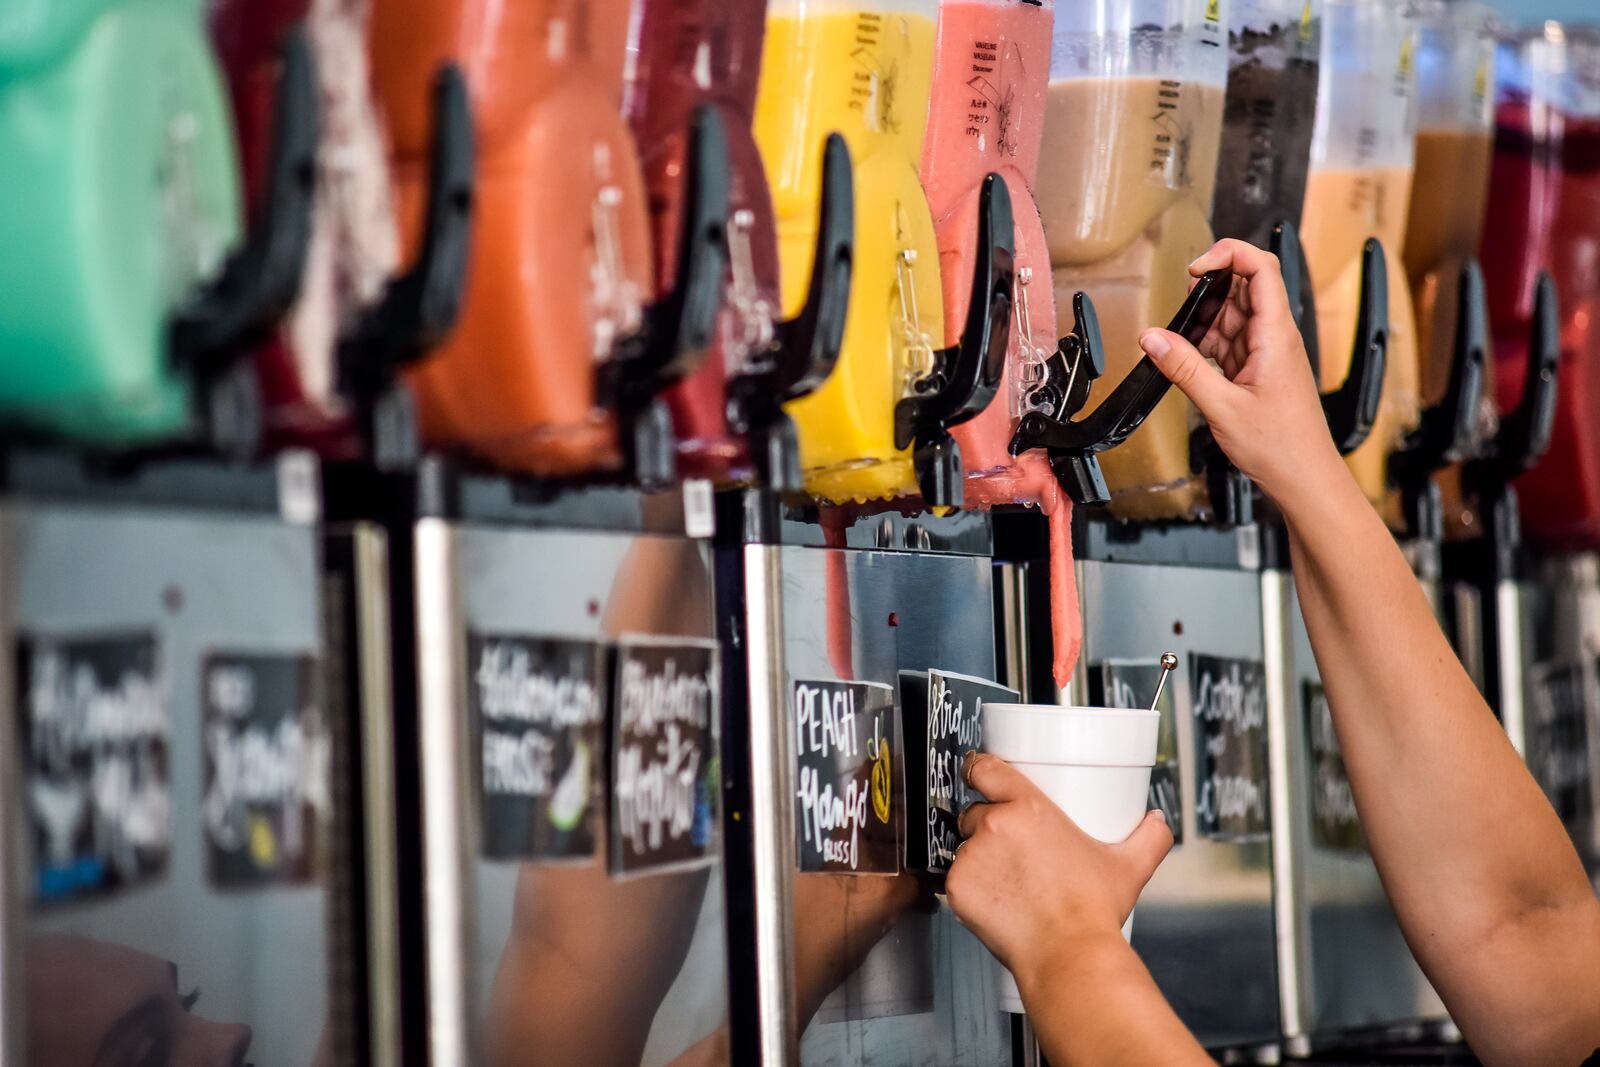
(1230, 726)
(1128, 683)
(267, 767)
(538, 706)
(1334, 824)
(95, 778)
(847, 814)
(665, 769)
(942, 720)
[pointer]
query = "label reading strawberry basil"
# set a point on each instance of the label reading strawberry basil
(665, 773)
(846, 818)
(95, 734)
(266, 774)
(538, 706)
(942, 720)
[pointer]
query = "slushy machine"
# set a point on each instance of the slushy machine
(510, 514)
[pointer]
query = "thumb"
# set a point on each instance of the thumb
(1147, 846)
(1186, 368)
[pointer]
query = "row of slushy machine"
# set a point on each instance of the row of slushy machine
(509, 513)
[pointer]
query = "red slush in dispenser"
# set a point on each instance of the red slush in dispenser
(1546, 183)
(690, 54)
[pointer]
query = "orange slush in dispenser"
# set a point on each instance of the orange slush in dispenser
(1133, 124)
(1455, 91)
(554, 323)
(1359, 187)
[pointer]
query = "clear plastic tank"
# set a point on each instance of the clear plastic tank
(1133, 124)
(1274, 52)
(1362, 162)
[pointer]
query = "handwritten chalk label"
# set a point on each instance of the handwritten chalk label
(1334, 824)
(95, 734)
(665, 773)
(942, 719)
(1561, 696)
(1127, 683)
(1230, 720)
(266, 774)
(538, 705)
(846, 818)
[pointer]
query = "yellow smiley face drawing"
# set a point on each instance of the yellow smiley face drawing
(882, 777)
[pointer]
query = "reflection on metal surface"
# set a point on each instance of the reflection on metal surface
(773, 815)
(231, 605)
(1347, 973)
(877, 979)
(369, 598)
(445, 831)
(12, 1002)
(569, 962)
(1204, 925)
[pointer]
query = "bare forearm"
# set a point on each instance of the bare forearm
(1481, 873)
(1092, 1002)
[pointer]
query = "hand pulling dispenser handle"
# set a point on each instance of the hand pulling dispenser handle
(418, 308)
(1073, 445)
(965, 377)
(1352, 408)
(677, 328)
(806, 347)
(1447, 429)
(259, 282)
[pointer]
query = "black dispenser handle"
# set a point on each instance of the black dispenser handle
(809, 343)
(419, 307)
(1073, 445)
(966, 377)
(1524, 435)
(678, 328)
(260, 280)
(1291, 253)
(1448, 428)
(1352, 409)
(805, 348)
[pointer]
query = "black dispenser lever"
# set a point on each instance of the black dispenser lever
(805, 348)
(965, 377)
(1074, 445)
(1524, 434)
(1448, 429)
(678, 328)
(1352, 408)
(420, 306)
(258, 283)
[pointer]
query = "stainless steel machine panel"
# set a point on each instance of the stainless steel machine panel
(1557, 653)
(1204, 925)
(167, 800)
(1347, 972)
(922, 993)
(551, 959)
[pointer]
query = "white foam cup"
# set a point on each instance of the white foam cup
(1094, 763)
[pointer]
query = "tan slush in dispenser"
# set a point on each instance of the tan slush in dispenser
(1360, 187)
(1132, 127)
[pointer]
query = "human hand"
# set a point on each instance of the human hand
(1263, 406)
(1029, 883)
